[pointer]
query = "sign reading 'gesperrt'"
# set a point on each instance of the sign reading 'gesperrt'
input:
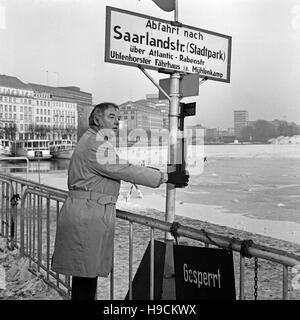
(140, 40)
(203, 273)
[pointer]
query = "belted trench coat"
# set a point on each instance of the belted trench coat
(86, 224)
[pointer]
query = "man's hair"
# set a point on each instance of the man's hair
(99, 109)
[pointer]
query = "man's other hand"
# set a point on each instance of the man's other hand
(178, 178)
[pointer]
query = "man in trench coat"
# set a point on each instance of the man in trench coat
(86, 224)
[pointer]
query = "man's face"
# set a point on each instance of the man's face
(110, 119)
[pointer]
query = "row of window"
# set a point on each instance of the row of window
(28, 117)
(42, 111)
(64, 104)
(25, 127)
(62, 112)
(10, 108)
(40, 119)
(15, 100)
(13, 108)
(8, 125)
(43, 103)
(8, 116)
(66, 120)
(16, 92)
(38, 102)
(125, 112)
(126, 117)
(56, 104)
(7, 108)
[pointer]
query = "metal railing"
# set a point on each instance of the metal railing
(34, 225)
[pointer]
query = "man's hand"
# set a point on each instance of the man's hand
(178, 178)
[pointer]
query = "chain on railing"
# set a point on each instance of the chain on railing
(39, 212)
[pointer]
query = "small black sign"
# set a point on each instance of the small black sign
(203, 273)
(38, 154)
(188, 109)
(141, 281)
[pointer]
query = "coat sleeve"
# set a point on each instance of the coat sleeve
(103, 160)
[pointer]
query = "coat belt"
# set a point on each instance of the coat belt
(101, 198)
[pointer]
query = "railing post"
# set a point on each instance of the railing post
(33, 227)
(22, 229)
(242, 277)
(130, 258)
(2, 208)
(7, 212)
(39, 231)
(152, 264)
(48, 237)
(285, 286)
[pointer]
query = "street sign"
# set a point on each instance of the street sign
(188, 109)
(140, 40)
(203, 273)
(188, 86)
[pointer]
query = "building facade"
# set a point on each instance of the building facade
(161, 105)
(240, 120)
(16, 107)
(140, 115)
(56, 115)
(34, 111)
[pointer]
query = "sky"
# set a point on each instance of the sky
(67, 38)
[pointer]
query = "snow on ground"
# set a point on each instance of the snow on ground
(17, 282)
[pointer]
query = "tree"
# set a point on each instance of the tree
(247, 133)
(41, 131)
(69, 132)
(263, 130)
(31, 130)
(10, 132)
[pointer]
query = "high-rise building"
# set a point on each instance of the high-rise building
(240, 119)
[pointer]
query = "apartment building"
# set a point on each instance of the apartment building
(31, 110)
(16, 106)
(240, 120)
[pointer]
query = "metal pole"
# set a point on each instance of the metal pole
(39, 170)
(285, 283)
(130, 258)
(168, 282)
(151, 264)
(176, 11)
(173, 152)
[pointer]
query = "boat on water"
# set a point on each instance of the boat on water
(32, 149)
(5, 146)
(62, 149)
